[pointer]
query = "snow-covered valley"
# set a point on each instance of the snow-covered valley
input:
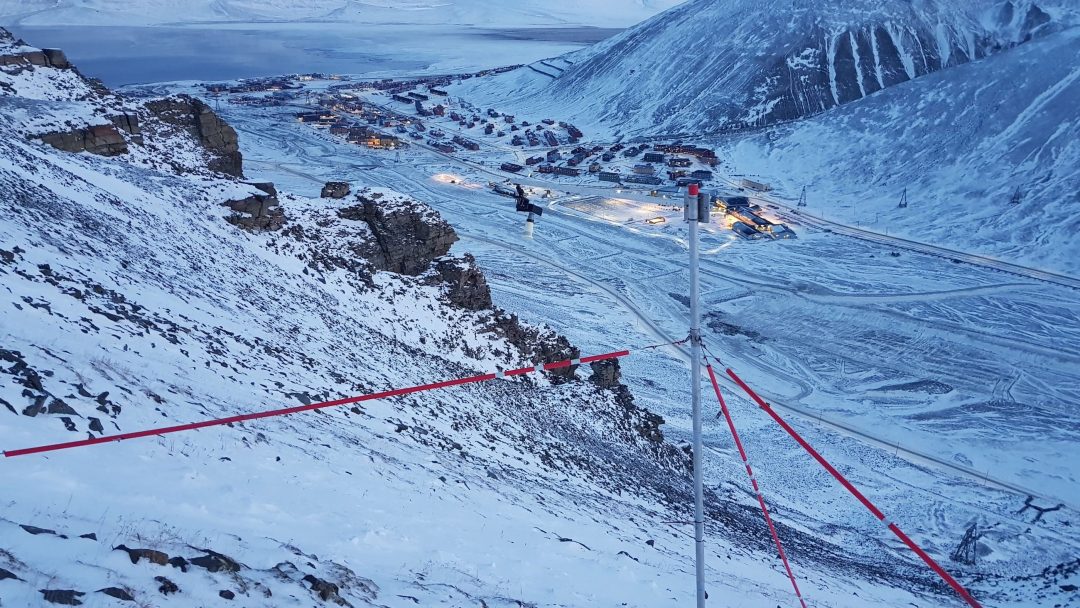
(945, 390)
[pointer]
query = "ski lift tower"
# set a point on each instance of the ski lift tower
(802, 198)
(903, 200)
(696, 211)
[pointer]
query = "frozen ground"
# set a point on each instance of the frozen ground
(939, 386)
(132, 303)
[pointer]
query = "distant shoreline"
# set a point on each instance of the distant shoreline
(131, 55)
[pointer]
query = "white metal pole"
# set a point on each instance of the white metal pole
(695, 379)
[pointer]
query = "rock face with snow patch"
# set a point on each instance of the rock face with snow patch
(103, 140)
(407, 235)
(195, 117)
(258, 211)
(335, 190)
(466, 286)
(17, 53)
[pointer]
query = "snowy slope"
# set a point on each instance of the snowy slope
(712, 65)
(481, 13)
(130, 302)
(961, 142)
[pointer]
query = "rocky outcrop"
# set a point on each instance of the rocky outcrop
(65, 597)
(256, 212)
(465, 284)
(408, 236)
(606, 374)
(216, 562)
(44, 59)
(128, 123)
(335, 190)
(150, 555)
(17, 52)
(213, 133)
(103, 140)
(56, 58)
(166, 587)
(538, 345)
(267, 187)
(327, 591)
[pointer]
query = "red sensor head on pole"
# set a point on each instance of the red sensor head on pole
(693, 189)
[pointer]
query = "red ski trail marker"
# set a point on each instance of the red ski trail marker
(307, 408)
(945, 576)
(753, 481)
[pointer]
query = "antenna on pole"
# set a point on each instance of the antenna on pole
(802, 198)
(903, 200)
(695, 211)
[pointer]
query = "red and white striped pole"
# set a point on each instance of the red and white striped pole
(945, 576)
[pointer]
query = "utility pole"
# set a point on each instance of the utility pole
(696, 211)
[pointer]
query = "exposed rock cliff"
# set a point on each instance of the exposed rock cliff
(407, 235)
(104, 140)
(206, 127)
(335, 190)
(465, 284)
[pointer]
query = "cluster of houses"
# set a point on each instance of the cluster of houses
(434, 84)
(544, 134)
(279, 98)
(261, 85)
(705, 155)
(646, 172)
(363, 135)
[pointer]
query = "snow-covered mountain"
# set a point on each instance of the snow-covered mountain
(481, 13)
(146, 284)
(962, 142)
(961, 103)
(712, 65)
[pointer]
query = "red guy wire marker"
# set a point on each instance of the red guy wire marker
(757, 490)
(306, 408)
(952, 582)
